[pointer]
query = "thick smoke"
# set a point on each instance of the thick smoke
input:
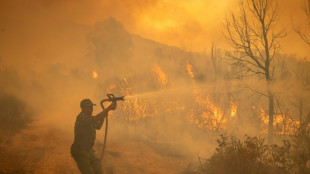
(47, 69)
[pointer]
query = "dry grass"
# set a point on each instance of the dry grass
(42, 150)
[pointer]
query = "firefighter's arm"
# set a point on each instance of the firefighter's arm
(105, 112)
(99, 124)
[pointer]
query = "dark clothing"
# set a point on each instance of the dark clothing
(87, 162)
(82, 147)
(85, 131)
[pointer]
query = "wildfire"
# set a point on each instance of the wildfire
(189, 70)
(205, 114)
(110, 88)
(213, 114)
(233, 109)
(95, 74)
(283, 124)
(161, 76)
(136, 108)
(205, 111)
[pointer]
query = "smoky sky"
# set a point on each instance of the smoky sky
(56, 30)
(49, 50)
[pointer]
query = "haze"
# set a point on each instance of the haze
(168, 57)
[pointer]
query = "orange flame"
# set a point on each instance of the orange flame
(136, 108)
(95, 74)
(189, 70)
(206, 115)
(110, 88)
(233, 110)
(283, 124)
(161, 76)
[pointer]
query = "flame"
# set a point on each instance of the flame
(212, 113)
(206, 115)
(110, 88)
(203, 113)
(161, 76)
(95, 74)
(283, 124)
(189, 70)
(136, 108)
(233, 109)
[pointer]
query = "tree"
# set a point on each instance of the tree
(301, 92)
(303, 31)
(304, 34)
(253, 34)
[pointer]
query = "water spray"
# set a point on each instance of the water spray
(112, 98)
(172, 92)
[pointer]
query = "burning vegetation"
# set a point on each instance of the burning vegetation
(204, 111)
(225, 111)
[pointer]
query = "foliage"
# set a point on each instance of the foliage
(252, 155)
(14, 116)
(300, 152)
(249, 156)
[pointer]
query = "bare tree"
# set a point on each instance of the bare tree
(301, 92)
(253, 35)
(303, 30)
(214, 60)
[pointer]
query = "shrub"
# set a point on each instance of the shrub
(300, 153)
(251, 155)
(14, 116)
(248, 156)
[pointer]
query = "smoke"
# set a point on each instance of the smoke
(112, 43)
(50, 51)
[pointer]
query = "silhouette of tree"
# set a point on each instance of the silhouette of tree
(303, 30)
(253, 35)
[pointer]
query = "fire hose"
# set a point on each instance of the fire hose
(111, 98)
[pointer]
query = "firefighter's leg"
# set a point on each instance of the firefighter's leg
(84, 164)
(96, 164)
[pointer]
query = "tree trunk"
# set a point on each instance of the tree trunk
(304, 125)
(271, 112)
(271, 108)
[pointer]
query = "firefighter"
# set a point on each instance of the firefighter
(84, 137)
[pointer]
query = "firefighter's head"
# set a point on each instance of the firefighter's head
(87, 106)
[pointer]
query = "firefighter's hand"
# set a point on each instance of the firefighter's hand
(113, 106)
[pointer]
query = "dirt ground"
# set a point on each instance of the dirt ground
(42, 150)
(138, 157)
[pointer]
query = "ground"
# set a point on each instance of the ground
(43, 150)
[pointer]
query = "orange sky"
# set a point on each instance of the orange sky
(191, 25)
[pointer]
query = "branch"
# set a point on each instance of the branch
(256, 91)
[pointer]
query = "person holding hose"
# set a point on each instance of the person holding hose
(84, 137)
